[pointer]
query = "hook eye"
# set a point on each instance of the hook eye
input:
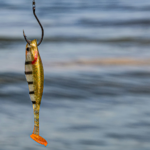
(33, 3)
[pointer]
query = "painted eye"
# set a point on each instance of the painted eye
(28, 49)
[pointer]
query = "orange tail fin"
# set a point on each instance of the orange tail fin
(39, 139)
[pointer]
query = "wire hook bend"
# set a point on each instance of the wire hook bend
(33, 7)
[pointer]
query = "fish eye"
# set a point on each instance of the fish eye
(28, 49)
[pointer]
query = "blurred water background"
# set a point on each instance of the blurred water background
(97, 76)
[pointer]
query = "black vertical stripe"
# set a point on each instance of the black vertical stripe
(30, 82)
(32, 92)
(28, 62)
(29, 72)
(33, 102)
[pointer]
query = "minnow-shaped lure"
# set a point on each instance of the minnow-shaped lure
(35, 77)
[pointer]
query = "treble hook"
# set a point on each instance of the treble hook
(33, 6)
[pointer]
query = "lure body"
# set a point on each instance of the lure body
(35, 77)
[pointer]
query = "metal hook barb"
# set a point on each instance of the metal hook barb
(33, 6)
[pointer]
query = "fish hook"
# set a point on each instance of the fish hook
(33, 4)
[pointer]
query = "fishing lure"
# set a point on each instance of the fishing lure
(35, 77)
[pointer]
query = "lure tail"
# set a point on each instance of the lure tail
(38, 139)
(35, 135)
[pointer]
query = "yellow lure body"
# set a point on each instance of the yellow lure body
(35, 77)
